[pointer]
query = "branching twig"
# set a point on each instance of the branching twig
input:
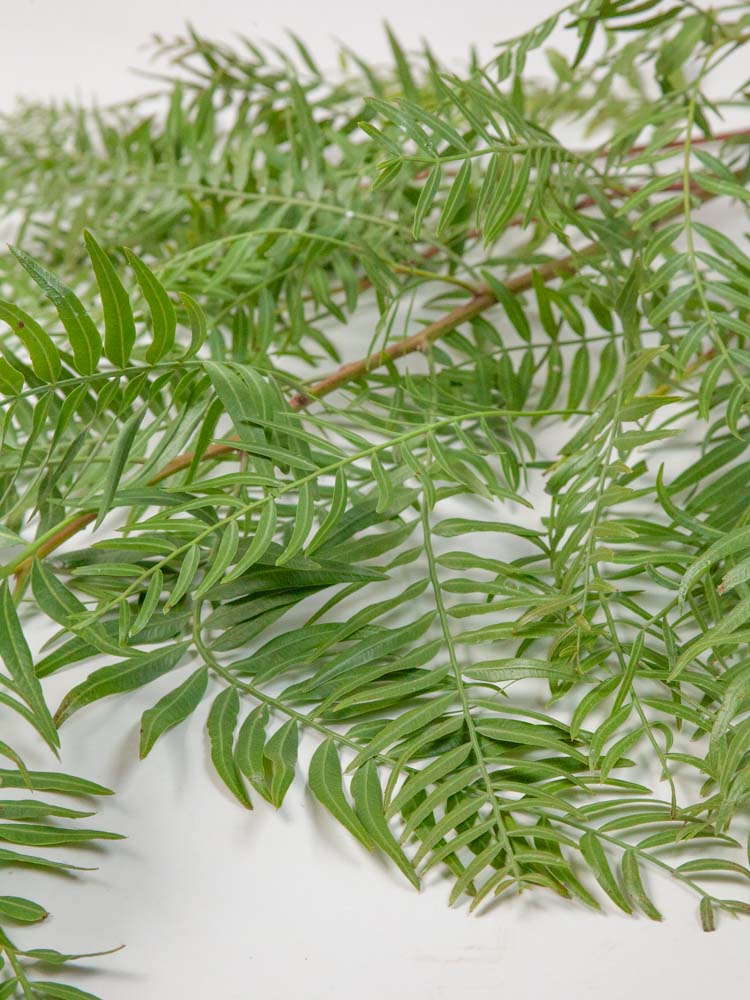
(482, 300)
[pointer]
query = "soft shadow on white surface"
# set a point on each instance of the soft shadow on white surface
(214, 901)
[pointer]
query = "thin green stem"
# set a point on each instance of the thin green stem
(295, 486)
(716, 336)
(261, 696)
(463, 696)
(666, 773)
(643, 855)
(7, 946)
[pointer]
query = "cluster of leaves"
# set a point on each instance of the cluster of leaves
(481, 630)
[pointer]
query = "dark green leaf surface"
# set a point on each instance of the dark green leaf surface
(222, 721)
(172, 709)
(119, 326)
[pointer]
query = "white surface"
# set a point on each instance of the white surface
(85, 47)
(215, 902)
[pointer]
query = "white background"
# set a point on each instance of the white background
(215, 902)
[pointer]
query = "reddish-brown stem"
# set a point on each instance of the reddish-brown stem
(52, 543)
(698, 140)
(183, 461)
(482, 299)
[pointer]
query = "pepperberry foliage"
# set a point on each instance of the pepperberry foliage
(405, 411)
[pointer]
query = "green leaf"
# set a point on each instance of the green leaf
(81, 330)
(23, 809)
(16, 656)
(172, 709)
(630, 672)
(188, 569)
(606, 371)
(8, 751)
(150, 602)
(713, 637)
(579, 377)
(502, 207)
(409, 722)
(23, 911)
(452, 819)
(478, 864)
(526, 734)
(198, 325)
(426, 198)
(448, 763)
(251, 742)
(681, 46)
(303, 520)
(242, 400)
(327, 785)
(631, 877)
(553, 379)
(517, 668)
(452, 846)
(586, 28)
(281, 752)
(448, 791)
(45, 835)
(368, 801)
(369, 649)
(452, 526)
(225, 554)
(11, 380)
(510, 305)
(730, 545)
(60, 991)
(14, 859)
(163, 316)
(712, 866)
(456, 197)
(259, 545)
(737, 575)
(709, 383)
(708, 920)
(334, 515)
(62, 606)
(127, 675)
(593, 852)
(120, 452)
(395, 691)
(403, 68)
(385, 487)
(589, 702)
(51, 781)
(546, 317)
(45, 359)
(119, 326)
(221, 723)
